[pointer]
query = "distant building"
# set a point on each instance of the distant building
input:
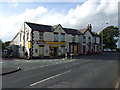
(36, 40)
(90, 41)
(119, 42)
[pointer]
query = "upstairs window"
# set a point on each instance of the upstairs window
(55, 37)
(89, 39)
(73, 38)
(41, 36)
(95, 39)
(62, 37)
(84, 39)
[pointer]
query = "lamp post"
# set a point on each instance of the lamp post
(102, 38)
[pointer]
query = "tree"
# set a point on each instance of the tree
(110, 37)
(4, 45)
(1, 45)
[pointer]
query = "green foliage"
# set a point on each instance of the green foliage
(0, 45)
(110, 36)
(4, 45)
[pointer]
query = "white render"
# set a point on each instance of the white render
(29, 40)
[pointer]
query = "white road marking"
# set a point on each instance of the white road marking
(117, 85)
(49, 78)
(48, 65)
(36, 67)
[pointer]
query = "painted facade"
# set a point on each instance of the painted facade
(90, 41)
(36, 40)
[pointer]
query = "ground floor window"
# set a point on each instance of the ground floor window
(62, 50)
(41, 51)
(71, 48)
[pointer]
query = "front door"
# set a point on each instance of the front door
(84, 49)
(75, 49)
(53, 51)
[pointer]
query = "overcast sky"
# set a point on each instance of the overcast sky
(69, 14)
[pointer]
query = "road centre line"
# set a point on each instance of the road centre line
(49, 78)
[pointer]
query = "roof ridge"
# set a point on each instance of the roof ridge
(38, 24)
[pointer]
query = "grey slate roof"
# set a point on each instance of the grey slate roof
(39, 27)
(55, 26)
(48, 28)
(82, 31)
(72, 31)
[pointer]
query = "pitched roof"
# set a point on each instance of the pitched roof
(55, 26)
(48, 28)
(72, 31)
(95, 34)
(82, 31)
(39, 27)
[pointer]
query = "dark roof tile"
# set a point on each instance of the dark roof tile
(72, 31)
(39, 27)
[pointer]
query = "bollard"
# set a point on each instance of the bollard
(66, 56)
(71, 56)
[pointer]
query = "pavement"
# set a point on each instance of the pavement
(93, 71)
(8, 70)
(45, 72)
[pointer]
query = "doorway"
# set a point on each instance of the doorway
(53, 51)
(84, 49)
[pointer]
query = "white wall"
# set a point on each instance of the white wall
(48, 36)
(68, 38)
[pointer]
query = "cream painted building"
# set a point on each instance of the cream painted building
(36, 40)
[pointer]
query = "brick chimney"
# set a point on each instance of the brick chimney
(89, 27)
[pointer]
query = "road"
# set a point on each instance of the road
(94, 71)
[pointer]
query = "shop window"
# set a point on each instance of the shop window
(62, 50)
(41, 51)
(36, 50)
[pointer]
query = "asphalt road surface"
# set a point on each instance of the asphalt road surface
(95, 71)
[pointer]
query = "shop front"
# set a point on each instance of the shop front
(73, 48)
(55, 48)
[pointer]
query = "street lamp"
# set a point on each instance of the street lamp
(102, 38)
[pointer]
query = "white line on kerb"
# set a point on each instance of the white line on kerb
(49, 78)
